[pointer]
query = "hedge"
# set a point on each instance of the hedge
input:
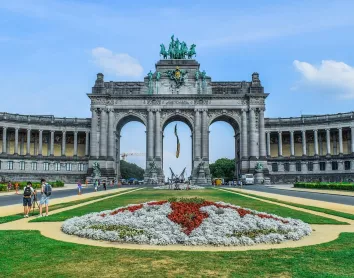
(21, 185)
(326, 185)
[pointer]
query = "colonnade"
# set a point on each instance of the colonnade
(316, 141)
(38, 148)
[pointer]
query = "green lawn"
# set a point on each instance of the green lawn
(209, 194)
(327, 211)
(9, 218)
(28, 254)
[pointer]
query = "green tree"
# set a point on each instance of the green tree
(223, 168)
(131, 170)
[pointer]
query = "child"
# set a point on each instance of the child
(79, 187)
(96, 185)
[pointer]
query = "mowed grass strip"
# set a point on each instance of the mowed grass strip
(146, 195)
(28, 254)
(14, 217)
(327, 211)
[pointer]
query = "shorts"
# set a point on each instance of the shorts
(44, 200)
(27, 202)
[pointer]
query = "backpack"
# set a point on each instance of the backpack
(48, 189)
(27, 192)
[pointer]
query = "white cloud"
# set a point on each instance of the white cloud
(120, 64)
(329, 75)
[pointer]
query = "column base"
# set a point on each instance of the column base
(253, 158)
(304, 155)
(262, 158)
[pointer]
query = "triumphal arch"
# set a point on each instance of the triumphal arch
(178, 90)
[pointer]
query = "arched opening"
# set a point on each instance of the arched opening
(130, 148)
(224, 148)
(169, 146)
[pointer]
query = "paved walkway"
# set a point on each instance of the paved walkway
(321, 233)
(339, 199)
(12, 199)
(321, 191)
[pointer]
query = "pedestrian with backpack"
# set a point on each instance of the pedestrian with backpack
(27, 199)
(46, 191)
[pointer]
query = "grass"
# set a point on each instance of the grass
(28, 254)
(14, 217)
(208, 194)
(327, 211)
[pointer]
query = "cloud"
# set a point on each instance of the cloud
(120, 64)
(329, 75)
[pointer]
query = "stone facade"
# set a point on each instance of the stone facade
(305, 148)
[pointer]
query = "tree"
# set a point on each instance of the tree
(131, 170)
(223, 168)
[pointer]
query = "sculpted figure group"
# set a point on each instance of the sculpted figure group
(177, 50)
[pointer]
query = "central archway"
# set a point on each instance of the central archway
(184, 163)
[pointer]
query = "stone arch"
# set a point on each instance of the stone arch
(177, 117)
(233, 119)
(123, 119)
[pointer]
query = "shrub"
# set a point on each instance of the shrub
(326, 185)
(35, 185)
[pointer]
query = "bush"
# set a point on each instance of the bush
(35, 185)
(326, 185)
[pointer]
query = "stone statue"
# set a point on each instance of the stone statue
(201, 166)
(153, 166)
(96, 170)
(150, 82)
(163, 51)
(259, 166)
(191, 51)
(203, 75)
(177, 50)
(158, 76)
(197, 75)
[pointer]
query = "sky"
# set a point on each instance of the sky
(51, 52)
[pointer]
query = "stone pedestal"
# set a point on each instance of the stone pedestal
(258, 177)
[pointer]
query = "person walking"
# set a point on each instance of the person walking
(111, 183)
(79, 187)
(27, 199)
(9, 186)
(95, 185)
(86, 183)
(104, 185)
(46, 192)
(16, 187)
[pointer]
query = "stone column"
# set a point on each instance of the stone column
(244, 143)
(28, 141)
(150, 137)
(352, 142)
(280, 144)
(75, 143)
(111, 133)
(87, 142)
(103, 133)
(40, 143)
(328, 141)
(316, 141)
(252, 134)
(63, 143)
(197, 135)
(16, 141)
(262, 147)
(205, 136)
(22, 144)
(117, 136)
(268, 144)
(52, 142)
(157, 135)
(292, 146)
(340, 137)
(304, 153)
(4, 137)
(94, 134)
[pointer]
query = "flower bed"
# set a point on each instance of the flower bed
(182, 186)
(192, 221)
(326, 185)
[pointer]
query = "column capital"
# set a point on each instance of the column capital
(52, 131)
(197, 110)
(340, 128)
(291, 131)
(327, 129)
(244, 110)
(261, 109)
(29, 129)
(252, 109)
(63, 131)
(17, 128)
(280, 132)
(40, 130)
(315, 130)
